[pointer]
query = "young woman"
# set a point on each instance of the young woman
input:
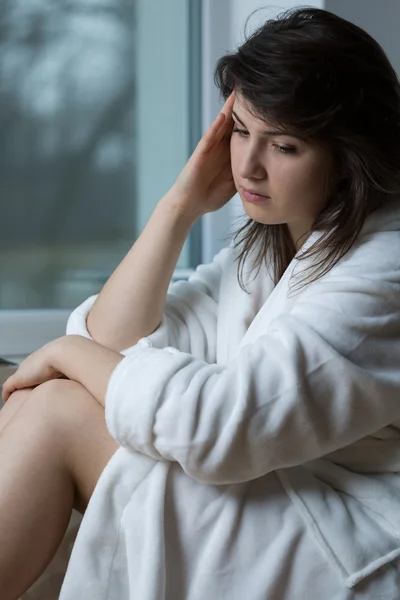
(225, 437)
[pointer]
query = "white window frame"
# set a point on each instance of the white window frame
(216, 41)
(24, 331)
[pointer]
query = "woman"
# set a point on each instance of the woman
(231, 439)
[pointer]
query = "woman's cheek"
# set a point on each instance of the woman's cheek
(232, 146)
(233, 153)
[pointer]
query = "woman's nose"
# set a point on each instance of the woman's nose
(251, 167)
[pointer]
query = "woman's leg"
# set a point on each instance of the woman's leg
(52, 453)
(12, 406)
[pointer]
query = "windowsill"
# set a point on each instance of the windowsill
(24, 331)
(5, 373)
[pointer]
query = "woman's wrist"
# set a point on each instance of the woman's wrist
(58, 351)
(86, 362)
(187, 209)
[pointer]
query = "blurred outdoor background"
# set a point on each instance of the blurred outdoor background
(94, 128)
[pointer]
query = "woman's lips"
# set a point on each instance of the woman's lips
(255, 198)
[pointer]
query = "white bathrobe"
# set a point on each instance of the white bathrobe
(260, 439)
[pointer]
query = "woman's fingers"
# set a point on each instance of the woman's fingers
(225, 129)
(7, 390)
(220, 126)
(226, 110)
(208, 138)
(228, 105)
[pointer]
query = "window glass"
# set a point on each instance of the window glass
(97, 120)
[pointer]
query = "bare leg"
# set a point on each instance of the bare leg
(12, 406)
(52, 453)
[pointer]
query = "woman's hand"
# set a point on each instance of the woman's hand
(206, 183)
(35, 369)
(72, 357)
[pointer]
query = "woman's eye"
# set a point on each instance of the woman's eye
(239, 131)
(280, 149)
(285, 149)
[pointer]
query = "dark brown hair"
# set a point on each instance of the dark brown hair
(328, 81)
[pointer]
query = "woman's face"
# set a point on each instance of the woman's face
(292, 172)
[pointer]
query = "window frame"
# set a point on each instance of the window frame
(24, 331)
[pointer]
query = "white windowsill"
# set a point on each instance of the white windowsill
(24, 331)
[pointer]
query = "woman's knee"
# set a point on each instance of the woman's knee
(57, 411)
(78, 423)
(61, 387)
(64, 402)
(13, 405)
(18, 397)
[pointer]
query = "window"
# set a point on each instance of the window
(100, 105)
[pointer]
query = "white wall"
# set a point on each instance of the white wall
(241, 9)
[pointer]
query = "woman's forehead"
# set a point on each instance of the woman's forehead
(249, 115)
(243, 110)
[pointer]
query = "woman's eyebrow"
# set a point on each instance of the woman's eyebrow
(266, 132)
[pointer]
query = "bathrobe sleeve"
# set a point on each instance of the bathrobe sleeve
(189, 321)
(320, 378)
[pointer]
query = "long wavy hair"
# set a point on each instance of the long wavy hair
(328, 81)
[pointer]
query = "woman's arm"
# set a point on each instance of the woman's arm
(131, 303)
(73, 357)
(86, 362)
